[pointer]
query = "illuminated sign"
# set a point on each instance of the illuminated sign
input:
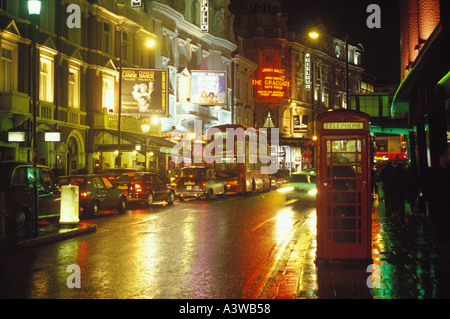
(136, 3)
(209, 87)
(270, 83)
(145, 92)
(204, 16)
(308, 72)
(343, 126)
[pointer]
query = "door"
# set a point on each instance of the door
(99, 189)
(159, 187)
(346, 196)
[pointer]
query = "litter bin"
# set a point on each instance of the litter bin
(69, 205)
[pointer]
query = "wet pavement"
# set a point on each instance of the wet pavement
(410, 261)
(49, 230)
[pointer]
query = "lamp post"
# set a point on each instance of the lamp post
(34, 10)
(314, 35)
(150, 44)
(145, 129)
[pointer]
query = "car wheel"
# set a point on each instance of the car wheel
(122, 205)
(20, 219)
(95, 209)
(171, 198)
(181, 198)
(150, 199)
(209, 194)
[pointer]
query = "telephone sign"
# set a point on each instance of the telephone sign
(343, 185)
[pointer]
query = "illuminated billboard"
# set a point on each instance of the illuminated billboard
(270, 83)
(145, 92)
(209, 87)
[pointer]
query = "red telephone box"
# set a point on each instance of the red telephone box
(343, 184)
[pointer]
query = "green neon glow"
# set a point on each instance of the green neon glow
(398, 90)
(444, 79)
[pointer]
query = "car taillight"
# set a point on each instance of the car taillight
(137, 188)
(204, 184)
(84, 194)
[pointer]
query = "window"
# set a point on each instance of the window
(107, 183)
(74, 88)
(108, 93)
(124, 46)
(6, 76)
(370, 105)
(46, 79)
(326, 98)
(106, 38)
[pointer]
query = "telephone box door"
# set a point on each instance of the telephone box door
(344, 193)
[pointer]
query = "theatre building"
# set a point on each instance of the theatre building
(297, 77)
(423, 98)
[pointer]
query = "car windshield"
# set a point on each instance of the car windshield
(193, 173)
(130, 177)
(310, 179)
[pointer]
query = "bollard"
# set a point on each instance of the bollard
(69, 205)
(2, 215)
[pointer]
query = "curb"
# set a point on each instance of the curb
(51, 238)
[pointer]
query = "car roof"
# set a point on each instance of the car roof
(17, 164)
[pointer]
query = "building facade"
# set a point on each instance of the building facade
(423, 98)
(297, 77)
(79, 78)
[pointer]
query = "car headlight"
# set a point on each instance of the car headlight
(312, 191)
(285, 189)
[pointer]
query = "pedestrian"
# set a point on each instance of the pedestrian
(399, 192)
(386, 180)
(412, 192)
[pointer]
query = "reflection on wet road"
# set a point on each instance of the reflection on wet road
(222, 248)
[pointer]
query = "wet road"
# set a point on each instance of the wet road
(217, 249)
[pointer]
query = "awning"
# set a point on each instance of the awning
(428, 69)
(132, 140)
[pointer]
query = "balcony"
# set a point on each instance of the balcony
(104, 121)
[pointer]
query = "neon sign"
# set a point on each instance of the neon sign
(204, 16)
(308, 72)
(270, 83)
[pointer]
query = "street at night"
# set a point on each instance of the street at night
(260, 151)
(218, 249)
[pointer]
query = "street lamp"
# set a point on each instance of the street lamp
(314, 35)
(149, 44)
(34, 10)
(145, 129)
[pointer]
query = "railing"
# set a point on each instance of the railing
(131, 125)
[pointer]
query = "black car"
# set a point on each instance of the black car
(145, 187)
(96, 193)
(113, 173)
(16, 183)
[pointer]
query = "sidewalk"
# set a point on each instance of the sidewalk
(412, 260)
(48, 231)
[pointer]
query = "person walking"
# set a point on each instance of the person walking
(386, 179)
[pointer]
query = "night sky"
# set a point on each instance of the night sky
(382, 46)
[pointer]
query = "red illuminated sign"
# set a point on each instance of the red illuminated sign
(270, 83)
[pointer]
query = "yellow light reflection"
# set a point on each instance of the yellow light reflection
(284, 223)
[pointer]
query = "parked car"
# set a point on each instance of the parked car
(96, 193)
(145, 187)
(17, 184)
(199, 181)
(300, 185)
(113, 173)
